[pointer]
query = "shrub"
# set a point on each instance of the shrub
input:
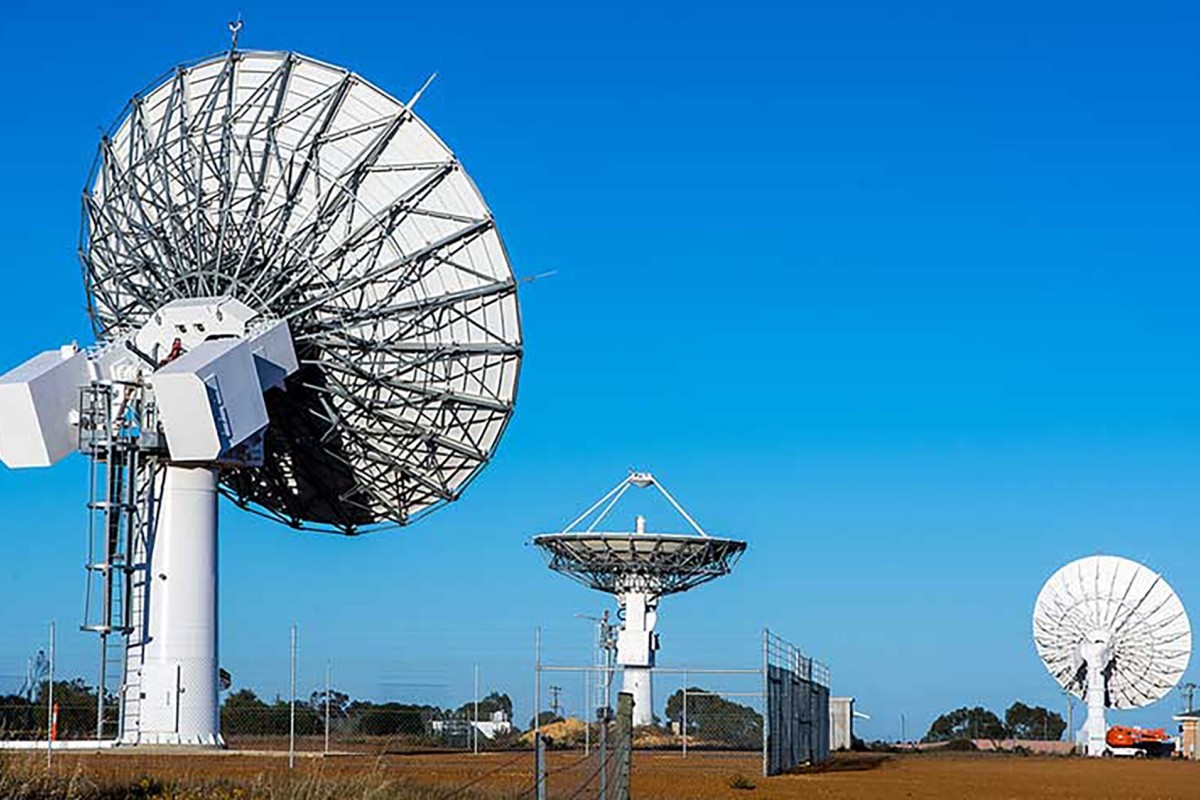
(740, 781)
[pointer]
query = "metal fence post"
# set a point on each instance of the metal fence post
(537, 679)
(539, 764)
(685, 720)
(327, 690)
(475, 723)
(766, 690)
(292, 708)
(50, 703)
(624, 749)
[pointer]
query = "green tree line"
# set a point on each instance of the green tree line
(1020, 722)
(243, 713)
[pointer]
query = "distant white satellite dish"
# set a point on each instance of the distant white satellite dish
(1112, 632)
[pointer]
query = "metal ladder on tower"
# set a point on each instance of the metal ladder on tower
(109, 432)
(131, 685)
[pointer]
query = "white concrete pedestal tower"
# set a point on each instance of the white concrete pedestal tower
(1095, 655)
(171, 692)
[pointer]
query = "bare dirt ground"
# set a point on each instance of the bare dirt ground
(668, 776)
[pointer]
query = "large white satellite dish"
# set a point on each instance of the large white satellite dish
(301, 299)
(314, 197)
(1111, 631)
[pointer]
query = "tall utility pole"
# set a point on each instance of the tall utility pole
(555, 707)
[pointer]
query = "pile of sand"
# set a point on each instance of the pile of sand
(568, 733)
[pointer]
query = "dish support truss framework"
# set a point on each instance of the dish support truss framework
(308, 193)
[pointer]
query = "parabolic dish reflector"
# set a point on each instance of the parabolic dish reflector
(660, 563)
(315, 197)
(1129, 606)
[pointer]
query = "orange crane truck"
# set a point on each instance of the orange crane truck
(1138, 742)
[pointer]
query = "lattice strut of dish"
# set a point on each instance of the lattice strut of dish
(317, 199)
(1112, 632)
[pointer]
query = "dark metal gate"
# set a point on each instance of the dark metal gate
(797, 724)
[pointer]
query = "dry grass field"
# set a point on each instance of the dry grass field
(657, 776)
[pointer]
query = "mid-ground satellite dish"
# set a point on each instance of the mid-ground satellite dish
(1112, 632)
(639, 568)
(300, 297)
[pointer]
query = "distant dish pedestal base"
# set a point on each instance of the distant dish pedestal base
(637, 682)
(1095, 729)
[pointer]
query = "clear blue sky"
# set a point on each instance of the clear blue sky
(904, 294)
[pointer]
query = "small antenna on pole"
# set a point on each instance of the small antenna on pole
(235, 28)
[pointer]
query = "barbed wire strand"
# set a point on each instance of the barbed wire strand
(603, 766)
(587, 781)
(474, 781)
(532, 790)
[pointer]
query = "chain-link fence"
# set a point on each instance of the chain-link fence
(361, 727)
(694, 709)
(708, 709)
(30, 711)
(777, 709)
(72, 718)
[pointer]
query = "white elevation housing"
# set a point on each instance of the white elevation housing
(187, 388)
(639, 568)
(1113, 633)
